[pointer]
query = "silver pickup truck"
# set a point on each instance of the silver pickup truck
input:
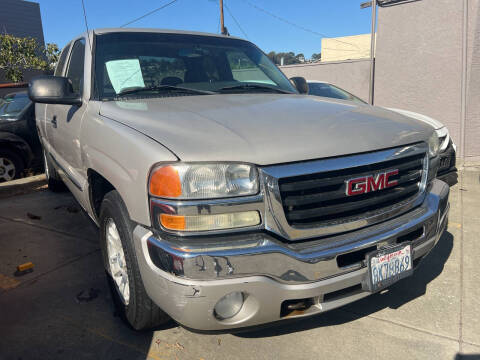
(225, 196)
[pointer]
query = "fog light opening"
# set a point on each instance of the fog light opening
(229, 305)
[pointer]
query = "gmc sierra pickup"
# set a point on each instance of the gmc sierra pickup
(225, 196)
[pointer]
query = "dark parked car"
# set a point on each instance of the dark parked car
(19, 144)
(447, 170)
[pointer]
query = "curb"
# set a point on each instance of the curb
(22, 186)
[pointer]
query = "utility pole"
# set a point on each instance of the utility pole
(371, 87)
(372, 52)
(222, 22)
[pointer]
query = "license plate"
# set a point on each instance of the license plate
(387, 266)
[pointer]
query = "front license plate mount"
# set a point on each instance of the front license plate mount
(387, 266)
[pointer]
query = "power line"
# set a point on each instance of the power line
(89, 43)
(149, 13)
(295, 25)
(86, 26)
(234, 19)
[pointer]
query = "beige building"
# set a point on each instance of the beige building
(346, 48)
(427, 61)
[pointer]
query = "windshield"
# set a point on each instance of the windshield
(12, 105)
(125, 61)
(331, 91)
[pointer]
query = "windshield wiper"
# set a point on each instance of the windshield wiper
(250, 87)
(161, 88)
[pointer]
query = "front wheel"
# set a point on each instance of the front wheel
(122, 267)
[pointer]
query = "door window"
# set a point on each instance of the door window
(75, 67)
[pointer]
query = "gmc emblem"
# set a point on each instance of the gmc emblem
(366, 184)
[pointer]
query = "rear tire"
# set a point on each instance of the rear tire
(11, 165)
(54, 181)
(122, 268)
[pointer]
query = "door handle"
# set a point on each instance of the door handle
(54, 122)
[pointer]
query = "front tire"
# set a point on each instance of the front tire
(122, 268)
(54, 181)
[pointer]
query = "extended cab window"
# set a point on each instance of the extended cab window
(153, 63)
(75, 67)
(62, 60)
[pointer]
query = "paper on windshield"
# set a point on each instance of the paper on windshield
(124, 74)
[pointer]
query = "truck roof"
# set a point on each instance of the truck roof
(154, 30)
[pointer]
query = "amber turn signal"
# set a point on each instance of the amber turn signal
(210, 222)
(172, 222)
(165, 182)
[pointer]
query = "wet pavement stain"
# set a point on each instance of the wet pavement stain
(87, 296)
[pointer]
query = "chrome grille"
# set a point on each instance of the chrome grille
(318, 198)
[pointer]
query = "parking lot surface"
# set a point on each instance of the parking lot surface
(63, 308)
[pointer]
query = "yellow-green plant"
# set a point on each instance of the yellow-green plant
(19, 54)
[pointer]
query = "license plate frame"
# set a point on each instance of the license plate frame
(375, 286)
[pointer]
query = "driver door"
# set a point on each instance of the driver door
(66, 121)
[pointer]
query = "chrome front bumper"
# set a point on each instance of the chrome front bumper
(186, 278)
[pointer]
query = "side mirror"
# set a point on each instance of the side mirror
(48, 89)
(300, 83)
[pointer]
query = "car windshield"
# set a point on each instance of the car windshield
(331, 91)
(156, 62)
(12, 105)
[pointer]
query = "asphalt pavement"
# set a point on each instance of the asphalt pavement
(63, 308)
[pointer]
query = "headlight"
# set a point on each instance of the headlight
(203, 181)
(433, 145)
(443, 138)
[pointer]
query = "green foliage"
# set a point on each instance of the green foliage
(290, 58)
(52, 53)
(300, 57)
(19, 54)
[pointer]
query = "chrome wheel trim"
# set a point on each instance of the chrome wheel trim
(117, 265)
(7, 169)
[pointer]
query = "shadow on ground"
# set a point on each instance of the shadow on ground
(64, 309)
(397, 295)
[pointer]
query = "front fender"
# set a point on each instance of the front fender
(124, 157)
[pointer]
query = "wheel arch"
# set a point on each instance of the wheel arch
(98, 187)
(16, 143)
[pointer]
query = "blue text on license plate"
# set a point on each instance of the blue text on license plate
(384, 267)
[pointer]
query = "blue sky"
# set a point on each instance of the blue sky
(63, 19)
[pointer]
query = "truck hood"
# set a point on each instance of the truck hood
(427, 119)
(264, 128)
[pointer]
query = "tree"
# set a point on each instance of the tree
(300, 57)
(272, 55)
(19, 54)
(289, 58)
(316, 57)
(52, 53)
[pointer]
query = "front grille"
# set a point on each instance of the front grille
(320, 198)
